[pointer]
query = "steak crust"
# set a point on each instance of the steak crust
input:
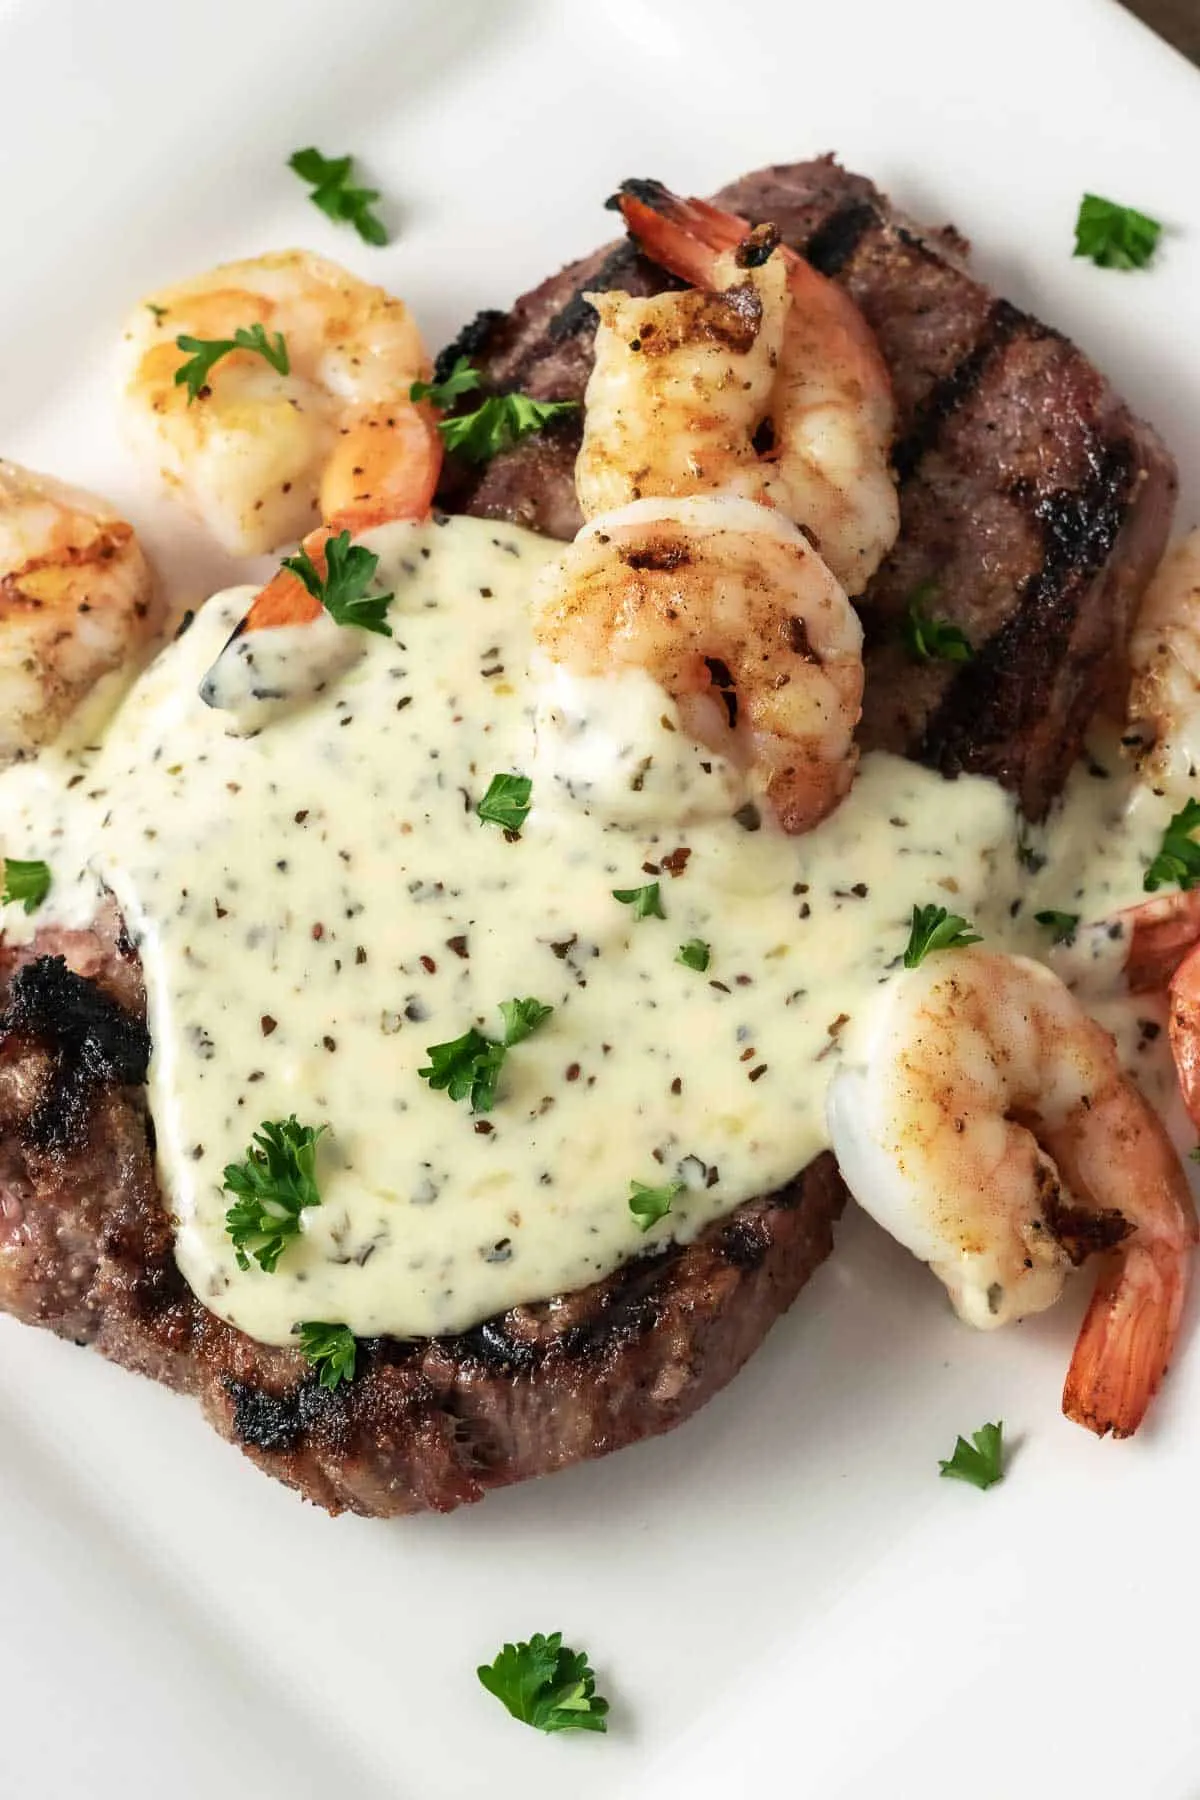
(86, 1249)
(1038, 505)
(1031, 499)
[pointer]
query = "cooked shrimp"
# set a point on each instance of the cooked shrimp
(727, 606)
(984, 1120)
(1164, 655)
(76, 601)
(260, 456)
(768, 384)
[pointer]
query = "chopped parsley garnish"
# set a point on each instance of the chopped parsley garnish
(695, 954)
(932, 640)
(645, 901)
(207, 351)
(506, 802)
(980, 1462)
(1115, 237)
(342, 590)
(933, 928)
(160, 312)
(462, 379)
(469, 1066)
(501, 421)
(1178, 860)
(331, 1349)
(25, 883)
(650, 1204)
(333, 192)
(274, 1182)
(547, 1685)
(1061, 925)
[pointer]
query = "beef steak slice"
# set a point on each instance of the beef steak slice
(1032, 501)
(86, 1249)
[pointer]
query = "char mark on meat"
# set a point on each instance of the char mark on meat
(87, 1038)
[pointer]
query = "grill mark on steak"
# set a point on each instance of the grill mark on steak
(86, 1039)
(834, 242)
(954, 390)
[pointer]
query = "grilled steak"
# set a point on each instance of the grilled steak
(1036, 502)
(86, 1248)
(1032, 500)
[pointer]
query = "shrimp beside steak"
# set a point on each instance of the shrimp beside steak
(984, 1120)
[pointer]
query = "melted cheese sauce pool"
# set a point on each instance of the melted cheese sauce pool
(318, 904)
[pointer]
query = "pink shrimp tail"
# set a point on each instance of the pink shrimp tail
(1128, 1338)
(1183, 1025)
(1162, 932)
(685, 236)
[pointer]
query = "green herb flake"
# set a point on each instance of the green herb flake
(335, 194)
(695, 954)
(933, 928)
(274, 1183)
(25, 883)
(500, 422)
(650, 1204)
(462, 379)
(506, 803)
(205, 352)
(645, 901)
(1115, 237)
(468, 1067)
(331, 1349)
(980, 1462)
(342, 590)
(929, 639)
(1062, 926)
(1178, 861)
(546, 1685)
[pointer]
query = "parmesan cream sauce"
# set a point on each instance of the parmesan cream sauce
(317, 904)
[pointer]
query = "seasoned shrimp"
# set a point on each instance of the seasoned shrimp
(76, 601)
(727, 606)
(767, 384)
(984, 1120)
(262, 456)
(1164, 655)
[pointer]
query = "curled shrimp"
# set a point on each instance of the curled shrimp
(76, 603)
(263, 456)
(730, 610)
(1164, 656)
(983, 1118)
(767, 384)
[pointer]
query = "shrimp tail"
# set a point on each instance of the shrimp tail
(1183, 1025)
(1127, 1340)
(685, 236)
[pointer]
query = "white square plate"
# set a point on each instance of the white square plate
(783, 1597)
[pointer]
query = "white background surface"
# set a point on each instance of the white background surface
(783, 1597)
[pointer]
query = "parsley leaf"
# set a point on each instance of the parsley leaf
(933, 928)
(462, 379)
(1115, 237)
(499, 423)
(547, 1685)
(506, 802)
(695, 954)
(1062, 925)
(207, 351)
(1179, 858)
(274, 1182)
(160, 312)
(331, 1349)
(645, 901)
(522, 1018)
(329, 177)
(26, 883)
(469, 1066)
(342, 591)
(932, 640)
(981, 1462)
(650, 1204)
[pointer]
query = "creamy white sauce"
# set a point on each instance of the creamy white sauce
(318, 904)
